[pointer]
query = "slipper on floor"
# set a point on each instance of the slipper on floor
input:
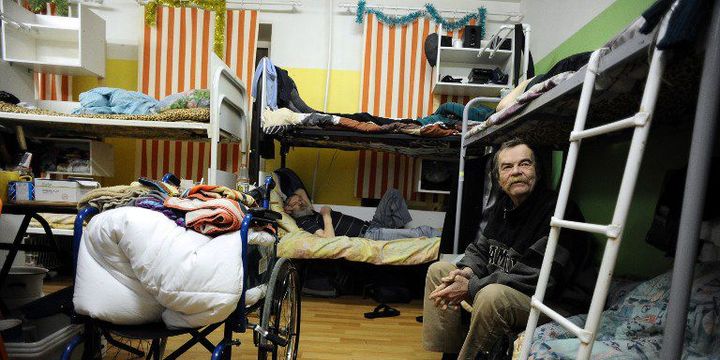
(382, 310)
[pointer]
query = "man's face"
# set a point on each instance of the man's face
(516, 169)
(296, 206)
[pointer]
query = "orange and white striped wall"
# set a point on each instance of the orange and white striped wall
(174, 57)
(396, 83)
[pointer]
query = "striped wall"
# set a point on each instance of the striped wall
(51, 86)
(396, 82)
(174, 57)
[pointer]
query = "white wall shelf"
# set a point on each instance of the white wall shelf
(469, 55)
(459, 62)
(55, 44)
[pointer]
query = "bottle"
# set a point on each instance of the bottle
(243, 181)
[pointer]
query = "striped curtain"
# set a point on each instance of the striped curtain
(396, 82)
(51, 86)
(174, 57)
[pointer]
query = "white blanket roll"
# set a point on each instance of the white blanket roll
(137, 266)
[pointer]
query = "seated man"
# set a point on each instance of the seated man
(499, 271)
(390, 216)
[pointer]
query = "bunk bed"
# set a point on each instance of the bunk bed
(298, 244)
(226, 121)
(548, 121)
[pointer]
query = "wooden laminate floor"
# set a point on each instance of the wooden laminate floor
(331, 329)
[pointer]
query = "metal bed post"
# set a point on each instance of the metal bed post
(699, 162)
(461, 167)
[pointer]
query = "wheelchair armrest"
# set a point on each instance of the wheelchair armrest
(265, 214)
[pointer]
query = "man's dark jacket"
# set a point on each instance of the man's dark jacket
(511, 249)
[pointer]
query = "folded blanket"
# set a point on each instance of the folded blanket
(111, 197)
(105, 100)
(212, 217)
(209, 192)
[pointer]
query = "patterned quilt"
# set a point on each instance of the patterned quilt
(632, 328)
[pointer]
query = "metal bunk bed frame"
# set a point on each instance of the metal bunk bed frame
(703, 140)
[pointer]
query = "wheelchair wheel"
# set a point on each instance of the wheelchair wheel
(281, 313)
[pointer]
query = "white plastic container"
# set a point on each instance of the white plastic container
(23, 285)
(45, 338)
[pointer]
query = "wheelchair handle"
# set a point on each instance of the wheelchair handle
(269, 186)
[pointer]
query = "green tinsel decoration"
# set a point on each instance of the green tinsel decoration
(38, 6)
(429, 11)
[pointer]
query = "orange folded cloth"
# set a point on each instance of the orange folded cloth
(211, 217)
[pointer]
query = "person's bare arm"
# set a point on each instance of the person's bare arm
(328, 230)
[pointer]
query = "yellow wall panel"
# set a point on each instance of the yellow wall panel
(121, 74)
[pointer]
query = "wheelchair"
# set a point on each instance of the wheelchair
(276, 336)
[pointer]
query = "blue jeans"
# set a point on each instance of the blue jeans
(379, 233)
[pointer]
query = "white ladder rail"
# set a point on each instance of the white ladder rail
(563, 195)
(641, 121)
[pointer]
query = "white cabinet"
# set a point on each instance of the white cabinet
(459, 62)
(54, 44)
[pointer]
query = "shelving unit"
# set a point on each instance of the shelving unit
(459, 62)
(100, 161)
(54, 44)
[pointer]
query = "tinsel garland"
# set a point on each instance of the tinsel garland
(38, 6)
(218, 6)
(429, 11)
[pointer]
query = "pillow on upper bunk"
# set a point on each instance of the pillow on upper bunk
(195, 98)
(510, 98)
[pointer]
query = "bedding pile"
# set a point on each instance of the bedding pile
(518, 104)
(632, 327)
(154, 254)
(446, 121)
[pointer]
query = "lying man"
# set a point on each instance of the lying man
(499, 271)
(390, 216)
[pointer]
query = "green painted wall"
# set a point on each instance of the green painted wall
(597, 32)
(601, 164)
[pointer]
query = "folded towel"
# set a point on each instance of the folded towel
(212, 217)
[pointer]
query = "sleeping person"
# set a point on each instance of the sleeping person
(387, 223)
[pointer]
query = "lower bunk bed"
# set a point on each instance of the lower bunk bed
(633, 323)
(391, 271)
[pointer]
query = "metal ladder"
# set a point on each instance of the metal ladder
(641, 122)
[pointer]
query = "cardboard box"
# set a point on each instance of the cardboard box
(20, 191)
(63, 190)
